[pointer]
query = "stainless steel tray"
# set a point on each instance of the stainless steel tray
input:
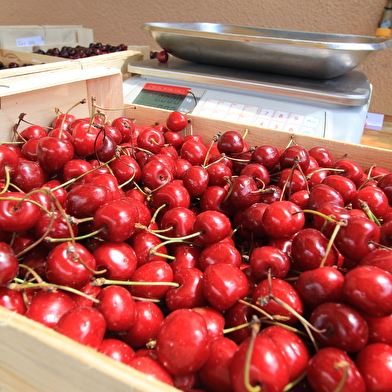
(303, 54)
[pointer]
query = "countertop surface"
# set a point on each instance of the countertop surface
(382, 139)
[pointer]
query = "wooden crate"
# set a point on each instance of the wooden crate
(24, 38)
(42, 62)
(35, 358)
(364, 155)
(38, 95)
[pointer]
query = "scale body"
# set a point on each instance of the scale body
(332, 109)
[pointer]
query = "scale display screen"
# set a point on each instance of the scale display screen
(162, 96)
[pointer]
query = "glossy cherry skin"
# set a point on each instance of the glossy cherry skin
(375, 364)
(196, 180)
(268, 366)
(53, 153)
(9, 265)
(117, 258)
(8, 159)
(116, 220)
(344, 327)
(193, 151)
(178, 222)
(356, 239)
(343, 185)
(293, 348)
(152, 369)
(214, 319)
(369, 289)
(83, 200)
(380, 329)
(148, 320)
(291, 181)
(284, 292)
(224, 285)
(230, 142)
(379, 257)
(127, 171)
(12, 300)
(323, 284)
(215, 373)
(308, 250)
(28, 175)
(183, 342)
(17, 213)
(117, 350)
(350, 169)
(190, 293)
(76, 168)
(117, 307)
(266, 260)
(155, 174)
(282, 219)
(219, 252)
(267, 155)
(48, 307)
(375, 199)
(218, 174)
(70, 265)
(244, 192)
(323, 375)
(323, 157)
(251, 219)
(126, 127)
(186, 256)
(176, 121)
(213, 226)
(323, 193)
(154, 271)
(83, 324)
(294, 155)
(239, 314)
(173, 194)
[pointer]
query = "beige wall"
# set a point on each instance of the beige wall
(120, 22)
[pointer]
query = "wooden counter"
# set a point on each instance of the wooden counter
(381, 139)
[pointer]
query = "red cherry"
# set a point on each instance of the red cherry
(126, 127)
(230, 142)
(83, 324)
(193, 151)
(213, 226)
(267, 260)
(282, 219)
(118, 258)
(70, 265)
(215, 373)
(327, 368)
(152, 368)
(343, 185)
(266, 155)
(8, 159)
(117, 350)
(369, 289)
(224, 285)
(9, 265)
(284, 292)
(268, 366)
(143, 242)
(294, 155)
(154, 271)
(117, 307)
(374, 362)
(48, 307)
(322, 156)
(172, 194)
(375, 199)
(12, 300)
(163, 56)
(214, 319)
(28, 175)
(196, 180)
(189, 328)
(324, 284)
(344, 327)
(176, 121)
(148, 320)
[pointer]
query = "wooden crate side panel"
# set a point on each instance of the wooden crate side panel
(365, 156)
(35, 358)
(40, 105)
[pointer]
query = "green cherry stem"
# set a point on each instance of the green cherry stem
(102, 281)
(255, 326)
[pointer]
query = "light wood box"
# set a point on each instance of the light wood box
(42, 62)
(34, 358)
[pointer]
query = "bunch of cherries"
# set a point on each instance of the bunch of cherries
(210, 265)
(80, 51)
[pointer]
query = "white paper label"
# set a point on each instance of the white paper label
(30, 41)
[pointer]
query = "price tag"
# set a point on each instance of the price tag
(30, 41)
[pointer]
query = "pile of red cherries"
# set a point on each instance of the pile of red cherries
(210, 265)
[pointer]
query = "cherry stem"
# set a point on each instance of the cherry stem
(255, 326)
(178, 239)
(236, 328)
(21, 200)
(346, 366)
(72, 252)
(82, 237)
(7, 179)
(214, 140)
(307, 325)
(330, 244)
(365, 207)
(19, 284)
(81, 102)
(32, 272)
(293, 383)
(102, 281)
(258, 309)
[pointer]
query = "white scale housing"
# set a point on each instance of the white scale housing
(332, 108)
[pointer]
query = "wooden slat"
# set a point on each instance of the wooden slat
(36, 358)
(362, 154)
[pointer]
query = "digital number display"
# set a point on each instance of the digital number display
(161, 96)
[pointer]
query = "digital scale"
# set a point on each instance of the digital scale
(333, 108)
